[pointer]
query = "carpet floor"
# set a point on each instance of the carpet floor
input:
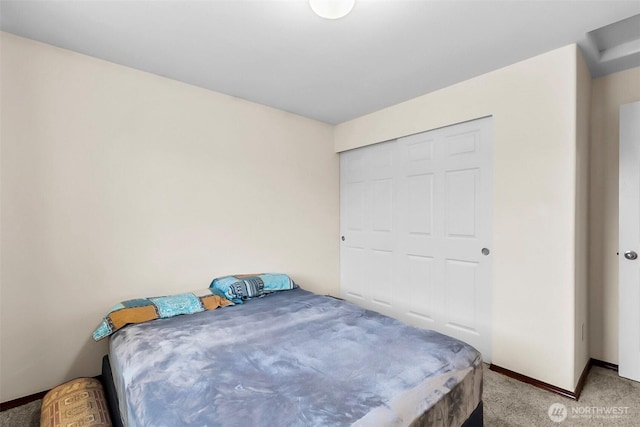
(607, 400)
(23, 416)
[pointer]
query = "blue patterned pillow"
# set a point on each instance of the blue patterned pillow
(242, 287)
(147, 309)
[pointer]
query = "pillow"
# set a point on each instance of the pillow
(242, 287)
(79, 402)
(146, 309)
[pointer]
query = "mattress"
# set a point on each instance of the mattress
(292, 358)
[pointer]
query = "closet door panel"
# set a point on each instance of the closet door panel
(413, 245)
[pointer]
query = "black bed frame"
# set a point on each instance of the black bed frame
(476, 418)
(110, 393)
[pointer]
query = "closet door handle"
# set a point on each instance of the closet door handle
(630, 255)
(485, 251)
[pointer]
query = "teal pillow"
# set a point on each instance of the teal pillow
(146, 309)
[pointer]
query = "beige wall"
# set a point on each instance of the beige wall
(608, 94)
(535, 159)
(581, 325)
(119, 184)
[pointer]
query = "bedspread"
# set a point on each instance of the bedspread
(292, 359)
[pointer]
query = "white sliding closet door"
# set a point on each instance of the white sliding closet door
(415, 218)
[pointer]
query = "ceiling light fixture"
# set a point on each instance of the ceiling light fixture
(332, 9)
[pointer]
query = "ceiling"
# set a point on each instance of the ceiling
(279, 53)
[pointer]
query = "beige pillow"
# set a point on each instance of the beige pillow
(78, 402)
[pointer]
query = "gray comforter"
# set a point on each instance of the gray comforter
(292, 359)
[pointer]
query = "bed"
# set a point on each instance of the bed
(291, 358)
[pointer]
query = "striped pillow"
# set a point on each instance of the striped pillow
(243, 287)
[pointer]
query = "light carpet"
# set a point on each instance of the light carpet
(606, 400)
